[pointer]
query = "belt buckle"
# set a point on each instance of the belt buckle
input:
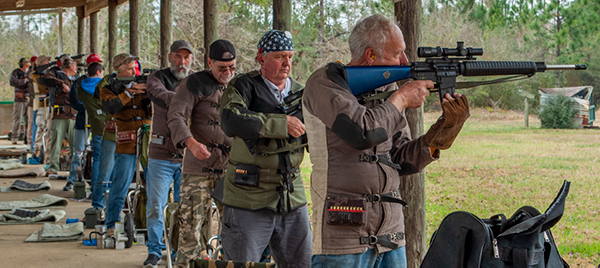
(376, 198)
(373, 240)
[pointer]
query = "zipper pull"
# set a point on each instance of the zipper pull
(495, 246)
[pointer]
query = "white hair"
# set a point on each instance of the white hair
(371, 32)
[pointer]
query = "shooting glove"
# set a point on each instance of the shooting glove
(443, 133)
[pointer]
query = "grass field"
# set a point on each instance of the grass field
(497, 165)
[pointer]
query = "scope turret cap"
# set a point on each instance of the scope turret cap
(123, 58)
(221, 50)
(275, 40)
(181, 44)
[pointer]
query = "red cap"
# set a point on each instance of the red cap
(32, 60)
(92, 58)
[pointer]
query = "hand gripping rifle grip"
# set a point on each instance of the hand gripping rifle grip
(484, 68)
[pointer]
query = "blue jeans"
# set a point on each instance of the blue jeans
(78, 149)
(124, 170)
(33, 130)
(160, 175)
(106, 165)
(96, 150)
(392, 259)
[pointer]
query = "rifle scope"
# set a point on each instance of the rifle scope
(459, 51)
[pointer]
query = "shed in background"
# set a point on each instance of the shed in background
(583, 101)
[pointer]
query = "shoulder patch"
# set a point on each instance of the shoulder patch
(355, 136)
(202, 83)
(337, 73)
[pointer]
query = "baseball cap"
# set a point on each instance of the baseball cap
(181, 44)
(42, 58)
(92, 58)
(221, 50)
(123, 58)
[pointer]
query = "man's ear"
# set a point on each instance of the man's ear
(210, 63)
(370, 55)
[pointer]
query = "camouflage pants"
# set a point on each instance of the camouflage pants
(194, 217)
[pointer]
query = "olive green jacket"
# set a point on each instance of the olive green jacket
(251, 115)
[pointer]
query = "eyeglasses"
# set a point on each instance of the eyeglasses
(222, 69)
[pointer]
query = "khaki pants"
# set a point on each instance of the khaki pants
(19, 110)
(42, 121)
(29, 124)
(59, 129)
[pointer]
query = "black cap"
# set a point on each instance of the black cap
(221, 50)
(181, 44)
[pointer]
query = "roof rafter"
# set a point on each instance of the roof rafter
(8, 5)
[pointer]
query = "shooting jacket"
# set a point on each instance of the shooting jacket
(161, 87)
(105, 82)
(251, 115)
(42, 94)
(96, 116)
(17, 80)
(130, 113)
(54, 81)
(343, 137)
(198, 98)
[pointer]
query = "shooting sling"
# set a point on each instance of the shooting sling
(522, 241)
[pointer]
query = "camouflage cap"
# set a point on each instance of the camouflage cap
(123, 58)
(41, 59)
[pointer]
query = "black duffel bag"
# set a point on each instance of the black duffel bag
(523, 240)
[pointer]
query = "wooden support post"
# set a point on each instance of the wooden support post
(60, 35)
(166, 21)
(112, 33)
(94, 32)
(526, 112)
(408, 16)
(134, 28)
(80, 28)
(211, 22)
(282, 15)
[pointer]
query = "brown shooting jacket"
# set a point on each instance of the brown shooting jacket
(341, 131)
(198, 98)
(129, 113)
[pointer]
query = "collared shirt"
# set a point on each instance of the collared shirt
(279, 95)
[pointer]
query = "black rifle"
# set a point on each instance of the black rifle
(40, 69)
(118, 83)
(442, 66)
(292, 104)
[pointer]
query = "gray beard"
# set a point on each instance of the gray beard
(180, 75)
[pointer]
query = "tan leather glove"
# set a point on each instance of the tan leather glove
(443, 133)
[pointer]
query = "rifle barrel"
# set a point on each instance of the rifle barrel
(567, 67)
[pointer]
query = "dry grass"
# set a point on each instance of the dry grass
(496, 165)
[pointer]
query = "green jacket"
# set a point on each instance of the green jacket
(96, 116)
(251, 115)
(109, 136)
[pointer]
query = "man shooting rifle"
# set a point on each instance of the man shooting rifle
(359, 150)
